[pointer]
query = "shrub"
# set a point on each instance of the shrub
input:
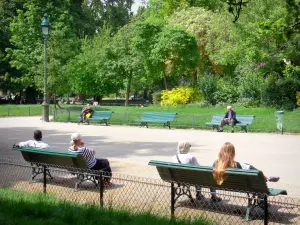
(178, 96)
(208, 86)
(226, 92)
(280, 93)
(292, 72)
(156, 97)
(250, 87)
(298, 98)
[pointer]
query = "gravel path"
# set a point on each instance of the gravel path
(129, 149)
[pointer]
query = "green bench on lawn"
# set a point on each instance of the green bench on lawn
(41, 159)
(99, 116)
(157, 117)
(243, 121)
(250, 182)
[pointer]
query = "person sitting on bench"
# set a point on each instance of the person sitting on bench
(183, 157)
(226, 159)
(229, 119)
(89, 155)
(86, 113)
(36, 143)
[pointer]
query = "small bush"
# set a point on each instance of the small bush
(178, 96)
(227, 92)
(208, 87)
(292, 72)
(280, 93)
(298, 98)
(156, 98)
(250, 87)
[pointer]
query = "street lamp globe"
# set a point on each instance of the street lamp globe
(45, 25)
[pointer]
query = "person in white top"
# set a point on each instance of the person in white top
(183, 157)
(36, 143)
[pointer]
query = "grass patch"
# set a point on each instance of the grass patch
(38, 209)
(189, 116)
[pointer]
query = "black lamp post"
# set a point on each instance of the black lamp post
(235, 7)
(45, 25)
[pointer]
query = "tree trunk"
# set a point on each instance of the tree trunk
(165, 77)
(194, 78)
(128, 87)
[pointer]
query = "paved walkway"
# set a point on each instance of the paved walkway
(129, 149)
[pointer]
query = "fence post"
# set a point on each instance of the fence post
(124, 119)
(29, 110)
(101, 189)
(54, 114)
(172, 200)
(45, 179)
(193, 120)
(266, 215)
(8, 111)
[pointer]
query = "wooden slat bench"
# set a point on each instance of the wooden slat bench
(100, 116)
(42, 159)
(157, 117)
(243, 121)
(251, 182)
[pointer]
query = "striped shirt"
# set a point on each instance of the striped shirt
(87, 154)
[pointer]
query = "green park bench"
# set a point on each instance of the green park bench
(157, 117)
(100, 116)
(243, 121)
(250, 182)
(42, 159)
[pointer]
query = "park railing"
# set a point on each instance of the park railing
(140, 195)
(186, 120)
(23, 110)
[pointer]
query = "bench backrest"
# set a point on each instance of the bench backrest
(102, 114)
(159, 116)
(54, 157)
(217, 118)
(245, 119)
(236, 179)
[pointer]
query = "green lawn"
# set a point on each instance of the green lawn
(38, 209)
(189, 116)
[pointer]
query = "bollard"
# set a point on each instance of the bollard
(279, 120)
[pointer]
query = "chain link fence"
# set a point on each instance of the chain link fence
(145, 195)
(186, 120)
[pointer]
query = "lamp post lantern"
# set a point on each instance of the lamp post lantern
(45, 25)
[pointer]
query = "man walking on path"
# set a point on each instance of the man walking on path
(229, 119)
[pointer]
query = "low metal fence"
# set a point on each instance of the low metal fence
(138, 194)
(187, 120)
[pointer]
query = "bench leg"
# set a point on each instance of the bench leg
(85, 177)
(245, 128)
(169, 125)
(144, 124)
(36, 170)
(215, 127)
(181, 190)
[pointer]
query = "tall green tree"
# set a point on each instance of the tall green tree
(8, 10)
(89, 71)
(26, 53)
(167, 51)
